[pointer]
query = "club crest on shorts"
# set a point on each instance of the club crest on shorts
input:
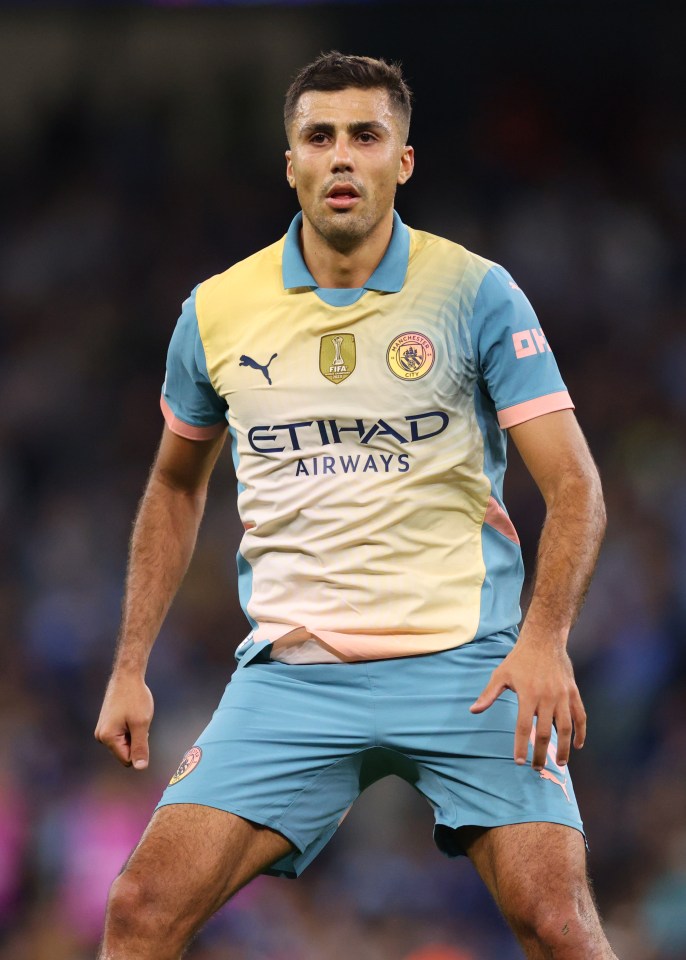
(410, 356)
(337, 356)
(191, 759)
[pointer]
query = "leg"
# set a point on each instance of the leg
(190, 860)
(536, 873)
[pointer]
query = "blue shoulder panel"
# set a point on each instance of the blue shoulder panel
(513, 358)
(187, 388)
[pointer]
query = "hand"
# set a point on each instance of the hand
(543, 679)
(125, 720)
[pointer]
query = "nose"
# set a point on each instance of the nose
(341, 158)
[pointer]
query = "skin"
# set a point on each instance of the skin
(353, 137)
(346, 137)
(536, 873)
(158, 902)
(161, 547)
(539, 669)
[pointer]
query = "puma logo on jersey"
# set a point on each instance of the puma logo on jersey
(246, 361)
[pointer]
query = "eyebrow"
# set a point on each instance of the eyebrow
(329, 128)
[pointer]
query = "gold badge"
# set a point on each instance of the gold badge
(189, 762)
(337, 356)
(410, 356)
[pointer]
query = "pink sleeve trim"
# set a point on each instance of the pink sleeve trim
(187, 430)
(520, 412)
(499, 520)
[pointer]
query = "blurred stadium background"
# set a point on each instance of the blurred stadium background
(141, 151)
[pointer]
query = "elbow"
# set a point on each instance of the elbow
(578, 493)
(589, 491)
(601, 507)
(177, 486)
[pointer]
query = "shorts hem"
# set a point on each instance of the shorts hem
(453, 851)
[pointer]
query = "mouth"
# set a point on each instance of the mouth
(342, 196)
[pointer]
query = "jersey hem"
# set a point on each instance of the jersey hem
(356, 647)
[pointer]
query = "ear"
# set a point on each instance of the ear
(406, 165)
(290, 175)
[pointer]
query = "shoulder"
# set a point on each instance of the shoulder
(487, 296)
(437, 257)
(256, 276)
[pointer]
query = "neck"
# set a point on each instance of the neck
(351, 268)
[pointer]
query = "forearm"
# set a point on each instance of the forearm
(162, 544)
(567, 553)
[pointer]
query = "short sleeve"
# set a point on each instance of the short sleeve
(515, 364)
(190, 404)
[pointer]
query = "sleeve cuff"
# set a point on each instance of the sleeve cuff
(187, 430)
(520, 412)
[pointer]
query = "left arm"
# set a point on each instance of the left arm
(539, 669)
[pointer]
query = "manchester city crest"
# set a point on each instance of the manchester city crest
(188, 763)
(337, 356)
(410, 356)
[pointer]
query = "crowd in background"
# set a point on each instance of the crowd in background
(114, 208)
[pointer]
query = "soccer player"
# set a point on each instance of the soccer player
(368, 374)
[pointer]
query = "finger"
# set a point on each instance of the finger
(140, 753)
(117, 743)
(525, 719)
(120, 746)
(563, 725)
(488, 695)
(579, 718)
(544, 731)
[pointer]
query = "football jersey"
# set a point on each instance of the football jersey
(368, 430)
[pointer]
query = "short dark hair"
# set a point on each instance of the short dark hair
(337, 71)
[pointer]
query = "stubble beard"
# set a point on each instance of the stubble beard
(344, 231)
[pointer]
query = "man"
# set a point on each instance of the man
(368, 373)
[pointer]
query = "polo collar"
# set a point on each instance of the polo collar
(388, 277)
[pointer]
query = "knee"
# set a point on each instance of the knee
(561, 928)
(131, 909)
(564, 924)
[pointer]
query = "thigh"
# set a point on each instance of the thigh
(284, 749)
(537, 875)
(532, 870)
(526, 859)
(192, 858)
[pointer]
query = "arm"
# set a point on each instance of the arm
(162, 544)
(538, 669)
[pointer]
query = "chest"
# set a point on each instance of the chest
(382, 358)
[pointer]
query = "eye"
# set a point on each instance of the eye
(366, 137)
(318, 138)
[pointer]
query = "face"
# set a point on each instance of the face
(347, 156)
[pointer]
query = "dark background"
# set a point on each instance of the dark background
(141, 151)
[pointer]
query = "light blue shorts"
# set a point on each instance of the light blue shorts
(292, 746)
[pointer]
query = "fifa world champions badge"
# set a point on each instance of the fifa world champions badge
(410, 356)
(191, 759)
(337, 356)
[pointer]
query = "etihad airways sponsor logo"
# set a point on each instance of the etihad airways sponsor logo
(321, 433)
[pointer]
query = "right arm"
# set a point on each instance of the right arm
(162, 544)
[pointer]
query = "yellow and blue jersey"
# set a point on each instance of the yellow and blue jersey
(368, 435)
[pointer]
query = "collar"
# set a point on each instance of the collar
(388, 277)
